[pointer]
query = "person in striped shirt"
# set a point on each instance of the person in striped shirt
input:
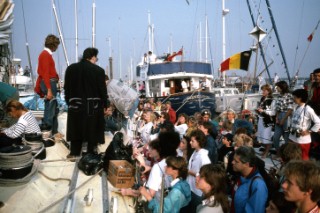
(26, 123)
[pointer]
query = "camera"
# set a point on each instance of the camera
(296, 132)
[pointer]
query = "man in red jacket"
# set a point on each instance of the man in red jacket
(171, 112)
(46, 85)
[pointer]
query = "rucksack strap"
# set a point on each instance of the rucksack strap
(250, 186)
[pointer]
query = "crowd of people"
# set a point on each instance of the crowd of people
(211, 165)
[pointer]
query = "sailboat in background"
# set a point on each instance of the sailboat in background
(9, 72)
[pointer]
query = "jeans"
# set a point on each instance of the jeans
(280, 131)
(51, 109)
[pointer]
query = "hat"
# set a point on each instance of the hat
(205, 112)
(228, 136)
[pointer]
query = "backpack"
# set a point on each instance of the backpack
(90, 163)
(270, 179)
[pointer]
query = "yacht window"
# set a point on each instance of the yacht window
(235, 91)
(227, 91)
(166, 83)
(138, 71)
(217, 93)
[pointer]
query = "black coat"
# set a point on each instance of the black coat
(265, 103)
(86, 96)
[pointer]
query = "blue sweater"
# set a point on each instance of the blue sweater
(244, 124)
(212, 147)
(256, 203)
(178, 197)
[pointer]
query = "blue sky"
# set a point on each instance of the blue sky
(125, 21)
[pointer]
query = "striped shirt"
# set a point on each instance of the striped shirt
(27, 123)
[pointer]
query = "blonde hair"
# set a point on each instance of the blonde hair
(227, 125)
(242, 140)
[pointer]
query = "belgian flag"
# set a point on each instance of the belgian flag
(239, 61)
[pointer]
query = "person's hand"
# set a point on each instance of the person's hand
(143, 191)
(135, 151)
(146, 169)
(260, 110)
(305, 132)
(49, 94)
(129, 192)
(140, 158)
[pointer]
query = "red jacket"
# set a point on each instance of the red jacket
(172, 115)
(46, 70)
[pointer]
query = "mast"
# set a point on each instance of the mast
(109, 45)
(110, 58)
(261, 49)
(206, 38)
(171, 42)
(119, 47)
(93, 23)
(152, 37)
(278, 39)
(149, 31)
(76, 23)
(200, 43)
(60, 33)
(27, 45)
(224, 13)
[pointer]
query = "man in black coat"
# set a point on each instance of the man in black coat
(86, 96)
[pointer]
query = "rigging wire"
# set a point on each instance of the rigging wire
(144, 42)
(309, 42)
(258, 13)
(210, 51)
(300, 24)
(27, 44)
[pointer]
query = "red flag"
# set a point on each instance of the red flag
(180, 52)
(310, 37)
(175, 54)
